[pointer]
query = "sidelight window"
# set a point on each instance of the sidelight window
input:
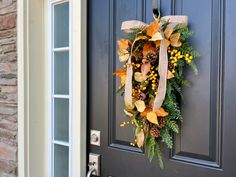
(60, 90)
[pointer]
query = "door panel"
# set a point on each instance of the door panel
(200, 148)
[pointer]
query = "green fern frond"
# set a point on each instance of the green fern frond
(173, 126)
(159, 156)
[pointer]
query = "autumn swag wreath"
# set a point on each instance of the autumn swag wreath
(152, 78)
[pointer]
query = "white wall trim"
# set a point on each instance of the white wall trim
(20, 85)
(78, 52)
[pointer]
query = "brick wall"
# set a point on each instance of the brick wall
(8, 89)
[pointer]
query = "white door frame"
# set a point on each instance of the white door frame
(78, 52)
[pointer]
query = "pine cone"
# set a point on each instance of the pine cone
(152, 57)
(161, 123)
(154, 132)
(170, 66)
(140, 96)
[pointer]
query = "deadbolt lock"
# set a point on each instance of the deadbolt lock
(95, 137)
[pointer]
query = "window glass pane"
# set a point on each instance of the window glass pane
(61, 72)
(61, 161)
(61, 25)
(61, 119)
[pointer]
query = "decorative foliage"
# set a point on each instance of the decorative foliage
(141, 51)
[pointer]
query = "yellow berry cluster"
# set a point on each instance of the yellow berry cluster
(176, 55)
(126, 123)
(188, 58)
(153, 78)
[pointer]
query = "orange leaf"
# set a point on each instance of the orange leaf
(144, 113)
(123, 44)
(148, 48)
(152, 117)
(168, 32)
(120, 72)
(161, 112)
(153, 28)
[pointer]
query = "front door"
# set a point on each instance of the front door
(207, 142)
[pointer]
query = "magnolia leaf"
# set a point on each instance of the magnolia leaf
(170, 75)
(161, 112)
(153, 28)
(140, 77)
(168, 32)
(123, 55)
(128, 113)
(174, 38)
(140, 139)
(157, 36)
(176, 44)
(144, 113)
(145, 68)
(152, 117)
(140, 105)
(167, 43)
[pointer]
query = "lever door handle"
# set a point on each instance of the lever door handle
(92, 169)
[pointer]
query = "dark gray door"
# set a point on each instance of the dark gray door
(206, 146)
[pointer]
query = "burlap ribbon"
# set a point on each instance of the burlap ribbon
(163, 60)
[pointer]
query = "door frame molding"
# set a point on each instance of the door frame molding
(79, 85)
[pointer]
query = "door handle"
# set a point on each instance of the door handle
(94, 165)
(91, 170)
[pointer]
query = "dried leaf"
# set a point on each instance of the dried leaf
(176, 44)
(119, 72)
(161, 112)
(140, 105)
(122, 74)
(144, 113)
(123, 56)
(174, 40)
(174, 37)
(167, 43)
(148, 48)
(168, 32)
(141, 38)
(153, 28)
(140, 139)
(156, 37)
(123, 44)
(152, 117)
(170, 75)
(145, 68)
(140, 77)
(157, 43)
